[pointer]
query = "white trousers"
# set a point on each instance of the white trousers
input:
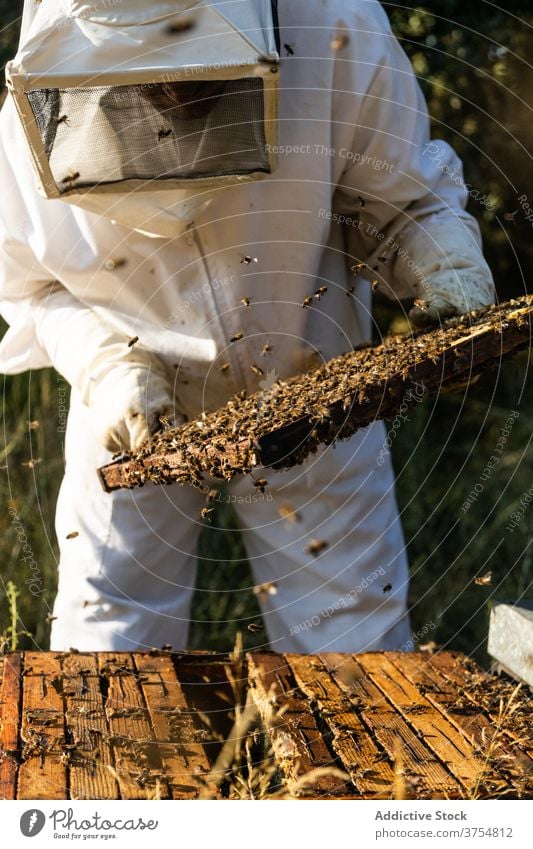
(126, 581)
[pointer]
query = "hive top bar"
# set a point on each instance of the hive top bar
(280, 426)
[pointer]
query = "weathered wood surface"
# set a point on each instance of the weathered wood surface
(380, 725)
(485, 343)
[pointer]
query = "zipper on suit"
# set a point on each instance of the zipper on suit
(233, 360)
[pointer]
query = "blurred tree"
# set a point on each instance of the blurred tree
(472, 60)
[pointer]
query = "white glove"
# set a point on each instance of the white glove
(125, 386)
(443, 264)
(126, 405)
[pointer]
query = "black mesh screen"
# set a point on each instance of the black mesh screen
(152, 132)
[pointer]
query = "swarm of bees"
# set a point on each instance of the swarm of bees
(332, 400)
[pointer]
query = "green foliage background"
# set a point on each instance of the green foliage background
(472, 61)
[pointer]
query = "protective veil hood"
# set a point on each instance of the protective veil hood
(139, 112)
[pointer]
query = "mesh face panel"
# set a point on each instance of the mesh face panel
(152, 132)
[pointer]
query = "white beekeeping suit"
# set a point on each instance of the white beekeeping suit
(97, 250)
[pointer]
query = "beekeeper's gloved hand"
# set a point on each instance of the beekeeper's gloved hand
(444, 266)
(127, 405)
(125, 386)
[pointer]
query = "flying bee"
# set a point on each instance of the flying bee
(261, 484)
(321, 292)
(205, 512)
(428, 647)
(245, 301)
(224, 368)
(350, 291)
(384, 259)
(71, 178)
(72, 535)
(30, 464)
(358, 267)
(255, 627)
(165, 422)
(49, 618)
(163, 134)
(262, 591)
(510, 216)
(246, 260)
(288, 512)
(133, 341)
(257, 370)
(387, 588)
(316, 546)
(339, 42)
(183, 25)
(62, 119)
(361, 201)
(484, 580)
(267, 348)
(289, 49)
(34, 425)
(236, 337)
(110, 264)
(307, 302)
(374, 284)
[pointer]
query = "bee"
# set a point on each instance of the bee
(387, 588)
(384, 259)
(428, 647)
(321, 292)
(289, 49)
(267, 348)
(307, 302)
(30, 464)
(257, 370)
(165, 422)
(350, 291)
(315, 546)
(72, 535)
(510, 216)
(34, 425)
(245, 301)
(358, 267)
(361, 201)
(255, 627)
(261, 484)
(374, 284)
(484, 580)
(236, 337)
(62, 119)
(262, 591)
(110, 264)
(212, 495)
(71, 178)
(183, 25)
(163, 134)
(205, 512)
(288, 512)
(339, 42)
(49, 618)
(133, 341)
(246, 260)
(224, 368)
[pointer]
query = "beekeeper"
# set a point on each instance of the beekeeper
(177, 175)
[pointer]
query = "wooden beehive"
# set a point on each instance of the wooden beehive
(369, 726)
